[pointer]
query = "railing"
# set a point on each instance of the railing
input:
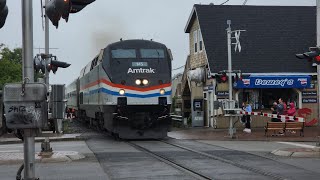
(175, 117)
(177, 120)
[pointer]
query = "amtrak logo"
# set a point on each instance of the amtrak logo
(141, 70)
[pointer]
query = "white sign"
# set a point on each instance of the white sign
(277, 82)
(141, 70)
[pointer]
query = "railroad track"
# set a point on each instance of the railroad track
(171, 162)
(196, 173)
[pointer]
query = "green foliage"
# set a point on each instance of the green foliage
(10, 65)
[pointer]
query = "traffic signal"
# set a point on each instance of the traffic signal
(55, 9)
(3, 12)
(221, 78)
(313, 55)
(54, 65)
(51, 65)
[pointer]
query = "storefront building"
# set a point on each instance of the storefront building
(265, 70)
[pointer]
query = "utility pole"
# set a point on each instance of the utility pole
(231, 102)
(45, 146)
(318, 68)
(28, 74)
(229, 33)
(46, 51)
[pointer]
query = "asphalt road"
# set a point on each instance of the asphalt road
(107, 158)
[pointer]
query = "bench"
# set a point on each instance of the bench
(292, 126)
(284, 126)
(279, 126)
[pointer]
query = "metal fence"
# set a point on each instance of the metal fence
(175, 117)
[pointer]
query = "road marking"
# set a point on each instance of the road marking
(297, 144)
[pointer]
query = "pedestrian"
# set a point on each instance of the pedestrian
(292, 109)
(291, 112)
(243, 118)
(274, 111)
(281, 111)
(248, 109)
(280, 107)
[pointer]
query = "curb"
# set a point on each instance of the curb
(41, 139)
(298, 152)
(58, 156)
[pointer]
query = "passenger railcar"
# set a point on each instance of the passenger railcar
(72, 96)
(126, 89)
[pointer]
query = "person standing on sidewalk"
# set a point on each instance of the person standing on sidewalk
(248, 109)
(274, 110)
(281, 107)
(281, 111)
(292, 110)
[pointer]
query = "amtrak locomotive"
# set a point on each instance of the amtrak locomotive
(126, 89)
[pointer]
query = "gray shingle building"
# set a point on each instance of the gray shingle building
(269, 68)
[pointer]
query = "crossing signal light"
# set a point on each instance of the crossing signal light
(50, 65)
(313, 55)
(54, 65)
(221, 78)
(3, 12)
(57, 9)
(78, 5)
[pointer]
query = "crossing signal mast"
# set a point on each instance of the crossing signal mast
(3, 12)
(57, 9)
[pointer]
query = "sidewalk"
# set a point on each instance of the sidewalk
(56, 156)
(257, 134)
(203, 133)
(11, 139)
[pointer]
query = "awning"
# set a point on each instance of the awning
(272, 81)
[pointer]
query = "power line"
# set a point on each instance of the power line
(224, 2)
(178, 68)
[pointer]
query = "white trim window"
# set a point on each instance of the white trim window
(195, 41)
(200, 41)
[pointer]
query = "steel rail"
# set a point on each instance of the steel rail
(170, 162)
(242, 166)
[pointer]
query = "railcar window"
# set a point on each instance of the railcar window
(152, 53)
(123, 53)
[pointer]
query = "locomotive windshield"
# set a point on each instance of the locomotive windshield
(123, 53)
(152, 53)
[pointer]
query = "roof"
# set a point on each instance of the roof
(274, 34)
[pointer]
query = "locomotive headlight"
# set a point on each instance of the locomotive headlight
(145, 82)
(122, 92)
(138, 82)
(162, 91)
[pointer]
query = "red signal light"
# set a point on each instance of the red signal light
(317, 58)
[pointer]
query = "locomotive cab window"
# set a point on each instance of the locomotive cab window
(123, 53)
(152, 53)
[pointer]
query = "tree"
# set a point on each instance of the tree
(10, 65)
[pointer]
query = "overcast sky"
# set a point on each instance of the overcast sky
(106, 21)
